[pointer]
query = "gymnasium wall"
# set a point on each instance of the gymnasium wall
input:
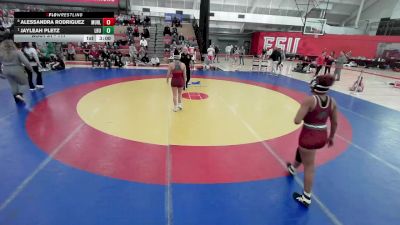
(222, 40)
(360, 45)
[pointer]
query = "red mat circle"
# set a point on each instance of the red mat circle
(52, 121)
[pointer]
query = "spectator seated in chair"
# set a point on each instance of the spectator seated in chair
(146, 33)
(71, 52)
(86, 51)
(136, 31)
(304, 66)
(129, 30)
(173, 46)
(175, 31)
(133, 53)
(155, 61)
(181, 37)
(175, 38)
(147, 21)
(94, 56)
(106, 58)
(145, 59)
(57, 63)
(132, 20)
(143, 43)
(166, 31)
(118, 59)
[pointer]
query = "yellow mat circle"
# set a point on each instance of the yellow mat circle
(234, 113)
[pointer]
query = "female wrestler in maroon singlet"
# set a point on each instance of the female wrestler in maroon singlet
(177, 71)
(314, 112)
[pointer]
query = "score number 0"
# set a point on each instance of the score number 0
(108, 21)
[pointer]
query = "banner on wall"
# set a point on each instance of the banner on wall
(288, 44)
(298, 43)
(170, 16)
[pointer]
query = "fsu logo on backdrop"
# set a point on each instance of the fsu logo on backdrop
(290, 44)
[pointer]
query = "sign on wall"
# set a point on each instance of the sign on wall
(288, 44)
(311, 45)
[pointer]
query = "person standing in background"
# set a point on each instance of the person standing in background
(13, 62)
(329, 59)
(340, 61)
(276, 58)
(177, 73)
(186, 59)
(228, 50)
(236, 52)
(320, 62)
(216, 53)
(71, 52)
(280, 64)
(31, 54)
(264, 53)
(234, 49)
(241, 55)
(211, 53)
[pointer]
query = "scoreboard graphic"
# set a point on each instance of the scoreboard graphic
(64, 26)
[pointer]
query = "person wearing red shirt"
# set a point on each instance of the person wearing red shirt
(94, 55)
(177, 73)
(314, 112)
(136, 31)
(320, 62)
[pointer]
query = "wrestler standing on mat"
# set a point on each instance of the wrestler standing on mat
(314, 112)
(177, 71)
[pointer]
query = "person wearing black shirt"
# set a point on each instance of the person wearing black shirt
(145, 59)
(146, 33)
(175, 31)
(86, 51)
(129, 31)
(276, 57)
(118, 59)
(186, 59)
(175, 21)
(106, 58)
(181, 37)
(166, 31)
(137, 20)
(216, 53)
(58, 63)
(234, 49)
(147, 21)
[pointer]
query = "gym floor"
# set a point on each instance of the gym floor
(101, 146)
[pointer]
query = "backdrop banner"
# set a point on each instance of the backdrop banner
(298, 43)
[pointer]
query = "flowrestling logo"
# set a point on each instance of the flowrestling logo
(113, 2)
(290, 44)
